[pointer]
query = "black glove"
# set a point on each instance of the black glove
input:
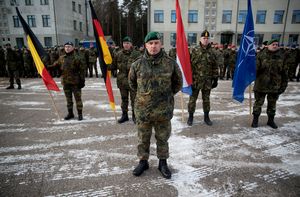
(81, 84)
(214, 83)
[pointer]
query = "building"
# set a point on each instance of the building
(54, 22)
(225, 19)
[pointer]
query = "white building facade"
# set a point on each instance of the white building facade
(54, 22)
(225, 19)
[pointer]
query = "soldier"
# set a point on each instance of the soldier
(291, 61)
(232, 60)
(28, 62)
(156, 78)
(73, 73)
(84, 55)
(271, 81)
(205, 76)
(220, 59)
(92, 61)
(13, 68)
(122, 62)
(172, 53)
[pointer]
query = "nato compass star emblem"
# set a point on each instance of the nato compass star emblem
(248, 46)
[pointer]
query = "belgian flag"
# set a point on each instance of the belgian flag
(104, 55)
(37, 52)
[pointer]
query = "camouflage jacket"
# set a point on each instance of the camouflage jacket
(92, 55)
(122, 62)
(271, 72)
(28, 60)
(204, 67)
(12, 60)
(155, 80)
(72, 69)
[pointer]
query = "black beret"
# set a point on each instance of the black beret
(69, 43)
(205, 33)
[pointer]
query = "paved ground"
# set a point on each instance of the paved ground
(43, 156)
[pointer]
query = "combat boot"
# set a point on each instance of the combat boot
(123, 118)
(143, 165)
(206, 119)
(80, 117)
(163, 168)
(271, 122)
(10, 87)
(190, 119)
(255, 121)
(70, 114)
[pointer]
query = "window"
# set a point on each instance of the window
(16, 21)
(258, 39)
(79, 8)
(213, 12)
(278, 16)
(73, 6)
(213, 4)
(75, 24)
(46, 20)
(28, 2)
(206, 12)
(173, 39)
(226, 17)
(261, 16)
(80, 26)
(31, 21)
(193, 16)
(242, 16)
(293, 39)
(296, 16)
(48, 41)
(276, 36)
(14, 2)
(192, 39)
(207, 4)
(20, 42)
(206, 21)
(162, 38)
(158, 16)
(44, 2)
(173, 16)
(213, 28)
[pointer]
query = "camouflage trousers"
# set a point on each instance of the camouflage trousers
(259, 101)
(162, 134)
(14, 74)
(71, 90)
(125, 93)
(194, 97)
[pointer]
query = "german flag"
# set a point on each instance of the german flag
(104, 55)
(37, 52)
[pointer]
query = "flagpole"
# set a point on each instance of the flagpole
(182, 107)
(54, 105)
(250, 102)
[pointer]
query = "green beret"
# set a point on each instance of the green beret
(127, 39)
(205, 33)
(271, 41)
(152, 36)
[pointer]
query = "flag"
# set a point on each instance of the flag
(182, 54)
(104, 55)
(245, 68)
(37, 52)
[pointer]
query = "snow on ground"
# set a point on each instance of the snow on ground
(71, 154)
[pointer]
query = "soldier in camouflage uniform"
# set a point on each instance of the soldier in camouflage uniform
(84, 56)
(205, 76)
(13, 68)
(172, 53)
(73, 79)
(220, 59)
(232, 60)
(92, 61)
(122, 62)
(291, 61)
(271, 81)
(156, 78)
(28, 62)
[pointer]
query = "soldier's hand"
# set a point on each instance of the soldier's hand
(81, 84)
(214, 82)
